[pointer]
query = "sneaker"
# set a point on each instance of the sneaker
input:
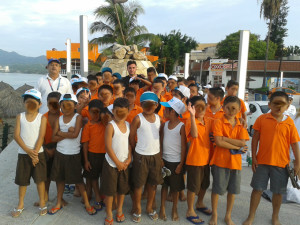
(167, 171)
(67, 189)
(163, 173)
(72, 188)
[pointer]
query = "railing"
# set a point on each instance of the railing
(63, 72)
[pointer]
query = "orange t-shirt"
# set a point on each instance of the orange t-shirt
(49, 130)
(199, 151)
(243, 107)
(136, 110)
(94, 96)
(275, 140)
(94, 134)
(138, 96)
(185, 117)
(222, 156)
(168, 96)
(85, 112)
(162, 108)
(217, 115)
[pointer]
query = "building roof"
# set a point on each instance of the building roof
(201, 47)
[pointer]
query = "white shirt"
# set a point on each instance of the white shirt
(172, 143)
(61, 84)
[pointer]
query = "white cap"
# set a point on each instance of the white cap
(175, 104)
(34, 93)
(82, 89)
(200, 92)
(82, 79)
(223, 88)
(184, 90)
(73, 81)
(163, 75)
(68, 97)
(110, 108)
(173, 77)
(208, 86)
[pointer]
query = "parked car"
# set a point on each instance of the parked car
(256, 108)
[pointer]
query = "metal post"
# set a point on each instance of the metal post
(243, 62)
(201, 69)
(186, 65)
(69, 58)
(84, 63)
(281, 78)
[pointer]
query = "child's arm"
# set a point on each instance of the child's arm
(42, 133)
(194, 130)
(161, 134)
(55, 136)
(224, 144)
(75, 133)
(20, 142)
(254, 144)
(109, 133)
(183, 149)
(133, 131)
(295, 147)
(128, 160)
(87, 165)
(146, 82)
(236, 142)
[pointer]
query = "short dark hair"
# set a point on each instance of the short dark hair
(196, 98)
(194, 85)
(96, 103)
(99, 74)
(160, 78)
(54, 94)
(180, 79)
(118, 81)
(232, 83)
(158, 81)
(129, 89)
(121, 102)
(107, 87)
(151, 69)
(230, 99)
(279, 94)
(31, 97)
(179, 92)
(131, 62)
(92, 77)
(190, 78)
(217, 92)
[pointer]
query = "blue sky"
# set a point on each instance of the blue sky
(30, 27)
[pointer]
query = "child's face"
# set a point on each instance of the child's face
(118, 89)
(105, 118)
(53, 105)
(149, 107)
(107, 77)
(93, 85)
(120, 113)
(278, 106)
(131, 97)
(83, 97)
(172, 84)
(67, 107)
(212, 100)
(193, 91)
(100, 80)
(135, 86)
(232, 91)
(231, 109)
(95, 114)
(31, 105)
(151, 76)
(167, 112)
(200, 107)
(105, 96)
(157, 88)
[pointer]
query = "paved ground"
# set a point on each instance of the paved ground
(75, 214)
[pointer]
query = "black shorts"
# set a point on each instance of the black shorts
(96, 161)
(175, 181)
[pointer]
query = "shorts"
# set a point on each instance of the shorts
(225, 179)
(96, 161)
(114, 181)
(146, 169)
(67, 168)
(175, 181)
(25, 170)
(198, 177)
(278, 179)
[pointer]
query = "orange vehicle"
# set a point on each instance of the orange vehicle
(284, 89)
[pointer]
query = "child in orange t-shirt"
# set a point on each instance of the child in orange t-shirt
(93, 86)
(167, 95)
(105, 94)
(135, 82)
(198, 129)
(94, 149)
(157, 88)
(182, 93)
(119, 88)
(134, 109)
(275, 133)
(214, 109)
(226, 162)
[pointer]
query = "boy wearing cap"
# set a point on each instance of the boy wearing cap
(29, 134)
(173, 142)
(116, 76)
(146, 159)
(67, 160)
(107, 76)
(172, 82)
(83, 96)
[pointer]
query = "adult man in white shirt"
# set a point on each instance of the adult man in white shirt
(52, 82)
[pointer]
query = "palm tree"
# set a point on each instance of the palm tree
(269, 9)
(108, 23)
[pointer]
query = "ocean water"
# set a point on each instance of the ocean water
(19, 79)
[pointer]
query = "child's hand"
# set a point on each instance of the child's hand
(71, 129)
(243, 122)
(121, 166)
(87, 166)
(254, 164)
(191, 109)
(178, 169)
(244, 149)
(33, 154)
(211, 138)
(297, 168)
(35, 161)
(127, 162)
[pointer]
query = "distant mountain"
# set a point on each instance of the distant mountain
(13, 58)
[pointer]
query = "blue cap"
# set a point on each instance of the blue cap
(53, 60)
(117, 75)
(149, 96)
(106, 69)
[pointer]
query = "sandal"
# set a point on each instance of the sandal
(43, 211)
(98, 206)
(16, 212)
(54, 211)
(108, 222)
(153, 215)
(136, 217)
(91, 211)
(195, 220)
(120, 219)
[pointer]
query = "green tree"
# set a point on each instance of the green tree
(291, 50)
(269, 10)
(108, 24)
(171, 49)
(229, 47)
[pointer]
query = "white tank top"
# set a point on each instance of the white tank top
(119, 145)
(29, 132)
(68, 146)
(148, 136)
(172, 143)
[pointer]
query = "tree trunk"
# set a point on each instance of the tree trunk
(267, 53)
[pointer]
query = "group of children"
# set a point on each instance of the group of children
(148, 133)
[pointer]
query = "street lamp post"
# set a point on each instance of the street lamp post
(115, 2)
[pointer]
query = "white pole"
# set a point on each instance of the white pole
(69, 58)
(186, 65)
(281, 78)
(84, 66)
(243, 62)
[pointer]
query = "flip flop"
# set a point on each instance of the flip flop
(153, 215)
(192, 218)
(16, 212)
(43, 211)
(98, 206)
(51, 212)
(204, 210)
(136, 217)
(120, 219)
(108, 222)
(91, 211)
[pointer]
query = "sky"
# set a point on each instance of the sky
(30, 27)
